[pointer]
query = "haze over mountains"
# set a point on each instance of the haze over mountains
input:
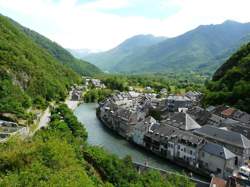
(202, 49)
(81, 53)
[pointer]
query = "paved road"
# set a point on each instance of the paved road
(43, 122)
(71, 104)
(45, 118)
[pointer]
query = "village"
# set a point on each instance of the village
(212, 141)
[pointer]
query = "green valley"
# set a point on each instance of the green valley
(202, 49)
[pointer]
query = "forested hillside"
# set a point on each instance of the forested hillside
(111, 60)
(29, 74)
(231, 82)
(202, 49)
(62, 55)
(60, 156)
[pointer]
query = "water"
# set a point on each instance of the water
(100, 135)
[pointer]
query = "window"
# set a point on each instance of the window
(203, 154)
(218, 170)
(178, 146)
(191, 152)
(184, 149)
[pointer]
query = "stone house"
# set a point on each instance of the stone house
(235, 142)
(173, 102)
(217, 159)
(174, 144)
(140, 130)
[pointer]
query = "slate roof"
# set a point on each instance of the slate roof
(182, 121)
(225, 136)
(218, 150)
(199, 114)
(178, 98)
(167, 131)
(210, 108)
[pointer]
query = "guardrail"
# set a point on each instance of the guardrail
(143, 167)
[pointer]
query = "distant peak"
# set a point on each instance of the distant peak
(230, 22)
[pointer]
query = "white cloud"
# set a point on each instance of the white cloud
(105, 4)
(85, 25)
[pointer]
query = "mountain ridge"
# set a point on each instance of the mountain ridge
(124, 50)
(203, 46)
(61, 54)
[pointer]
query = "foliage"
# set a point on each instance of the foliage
(231, 82)
(121, 172)
(60, 156)
(28, 73)
(116, 83)
(172, 82)
(96, 95)
(51, 158)
(202, 49)
(62, 55)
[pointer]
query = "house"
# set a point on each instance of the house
(187, 148)
(163, 91)
(181, 120)
(76, 95)
(215, 120)
(125, 121)
(235, 142)
(174, 144)
(140, 130)
(217, 159)
(194, 96)
(148, 88)
(97, 83)
(200, 115)
(173, 102)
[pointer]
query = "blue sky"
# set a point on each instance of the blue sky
(147, 9)
(103, 24)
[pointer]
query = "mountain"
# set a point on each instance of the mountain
(203, 49)
(30, 75)
(231, 82)
(109, 60)
(61, 54)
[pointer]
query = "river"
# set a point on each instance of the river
(100, 135)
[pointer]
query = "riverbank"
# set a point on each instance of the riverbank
(100, 135)
(178, 162)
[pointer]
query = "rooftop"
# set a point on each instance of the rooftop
(226, 136)
(178, 98)
(218, 150)
(181, 120)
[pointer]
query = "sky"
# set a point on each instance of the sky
(103, 24)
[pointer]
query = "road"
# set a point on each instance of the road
(44, 120)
